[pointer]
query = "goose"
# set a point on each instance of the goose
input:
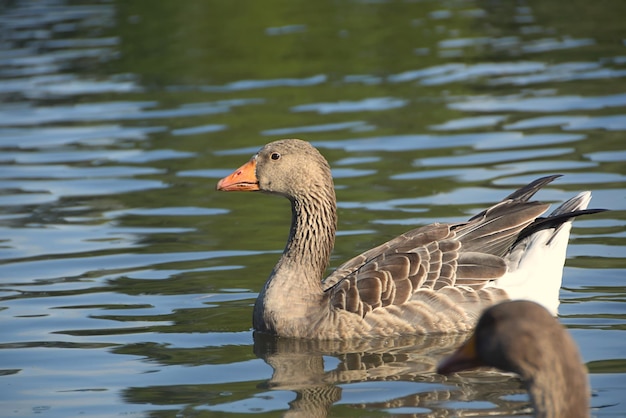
(433, 279)
(523, 337)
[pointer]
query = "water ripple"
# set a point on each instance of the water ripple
(53, 136)
(369, 104)
(354, 126)
(573, 123)
(81, 187)
(262, 84)
(539, 104)
(105, 111)
(477, 141)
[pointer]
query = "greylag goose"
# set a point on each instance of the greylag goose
(523, 337)
(433, 279)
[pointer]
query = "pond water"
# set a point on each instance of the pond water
(127, 281)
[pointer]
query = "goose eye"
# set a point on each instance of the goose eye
(275, 156)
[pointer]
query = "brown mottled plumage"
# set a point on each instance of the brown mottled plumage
(522, 337)
(434, 279)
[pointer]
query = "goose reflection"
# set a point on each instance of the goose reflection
(309, 378)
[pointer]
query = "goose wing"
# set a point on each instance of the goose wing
(464, 255)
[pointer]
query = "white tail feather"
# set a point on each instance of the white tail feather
(535, 264)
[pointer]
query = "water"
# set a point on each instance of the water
(126, 281)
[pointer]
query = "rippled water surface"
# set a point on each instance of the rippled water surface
(126, 281)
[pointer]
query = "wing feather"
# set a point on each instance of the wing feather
(456, 259)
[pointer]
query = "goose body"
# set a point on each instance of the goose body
(433, 279)
(523, 337)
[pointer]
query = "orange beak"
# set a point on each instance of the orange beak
(243, 179)
(464, 358)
